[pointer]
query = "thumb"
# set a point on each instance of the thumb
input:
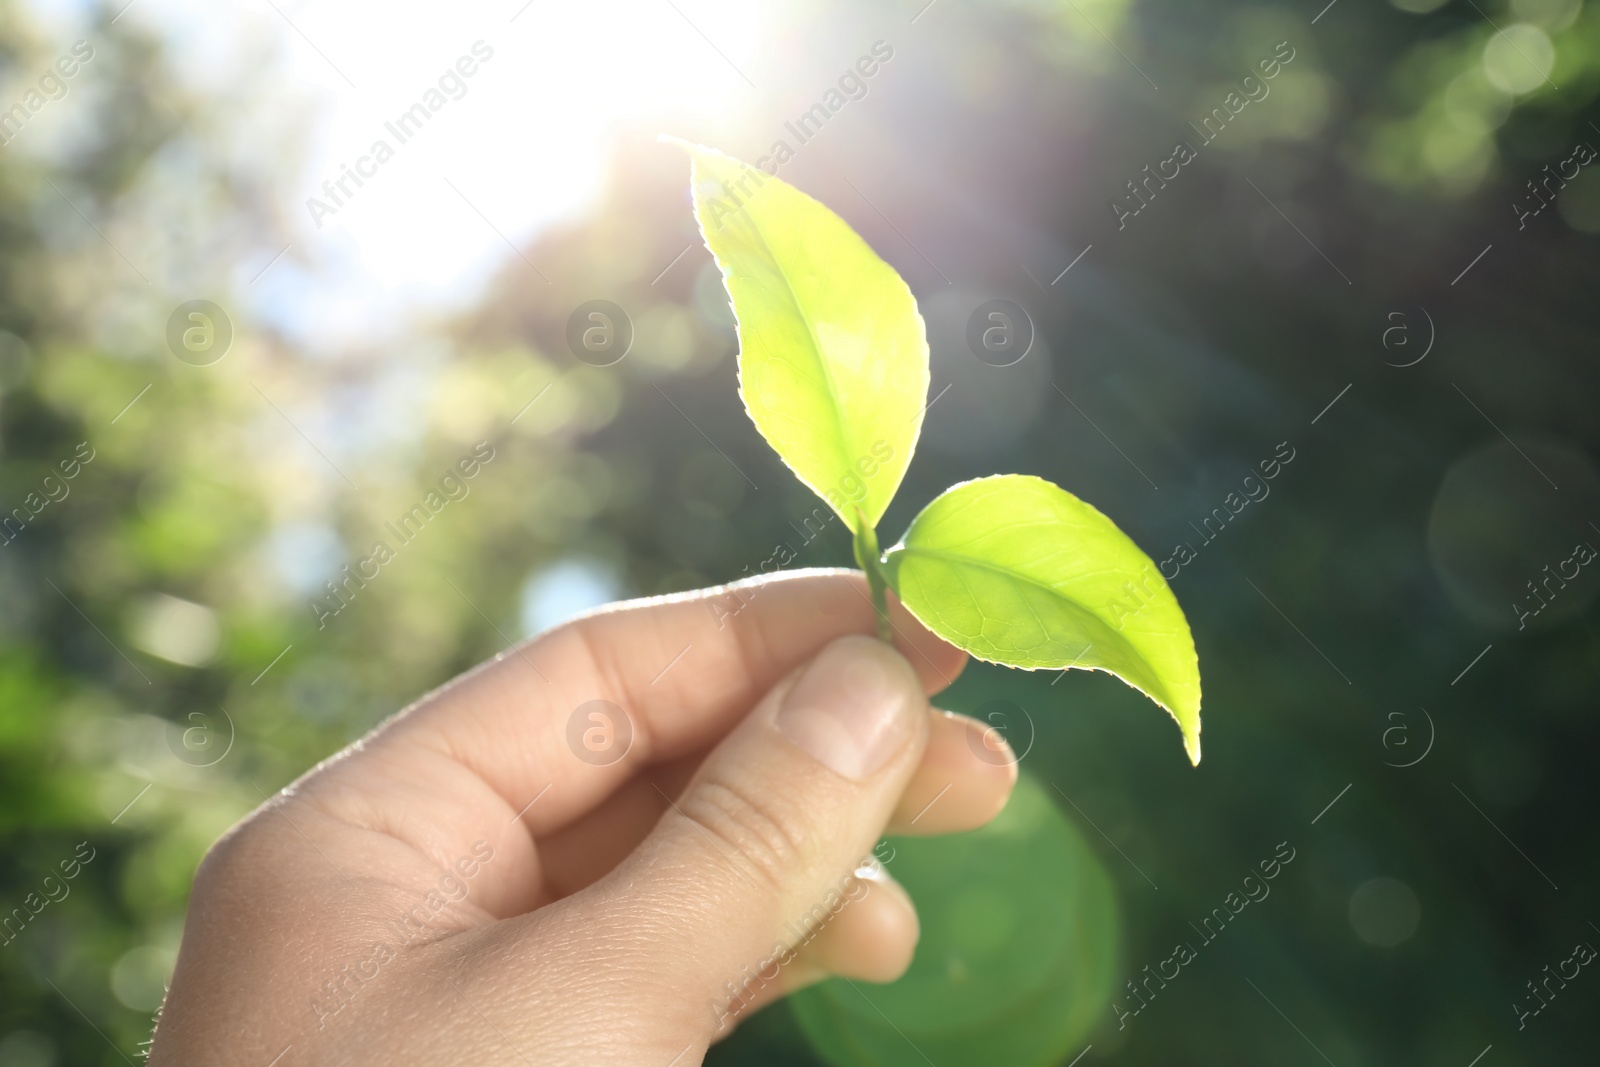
(763, 844)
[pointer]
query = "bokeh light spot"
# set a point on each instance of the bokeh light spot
(1497, 524)
(1551, 15)
(179, 631)
(982, 920)
(1018, 952)
(562, 591)
(27, 1048)
(1384, 912)
(1520, 58)
(139, 978)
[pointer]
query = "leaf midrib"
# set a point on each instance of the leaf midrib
(953, 557)
(1155, 687)
(949, 556)
(816, 346)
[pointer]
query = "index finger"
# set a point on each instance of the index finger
(677, 671)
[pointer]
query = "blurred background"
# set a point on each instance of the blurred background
(1372, 262)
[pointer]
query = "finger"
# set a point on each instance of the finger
(963, 781)
(676, 673)
(764, 841)
(580, 853)
(871, 939)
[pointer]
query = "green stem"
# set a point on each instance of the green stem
(868, 559)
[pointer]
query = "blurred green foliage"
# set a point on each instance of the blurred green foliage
(162, 606)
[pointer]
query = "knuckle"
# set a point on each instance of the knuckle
(749, 830)
(250, 855)
(241, 857)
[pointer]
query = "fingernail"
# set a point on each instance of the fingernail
(852, 708)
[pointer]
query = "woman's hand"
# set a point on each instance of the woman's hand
(604, 846)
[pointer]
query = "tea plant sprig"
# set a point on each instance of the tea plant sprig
(833, 369)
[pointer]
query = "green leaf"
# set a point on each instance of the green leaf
(833, 356)
(1019, 571)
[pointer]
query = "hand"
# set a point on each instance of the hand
(481, 881)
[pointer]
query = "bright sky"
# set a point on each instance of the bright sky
(524, 144)
(521, 142)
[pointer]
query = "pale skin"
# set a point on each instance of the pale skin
(632, 912)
